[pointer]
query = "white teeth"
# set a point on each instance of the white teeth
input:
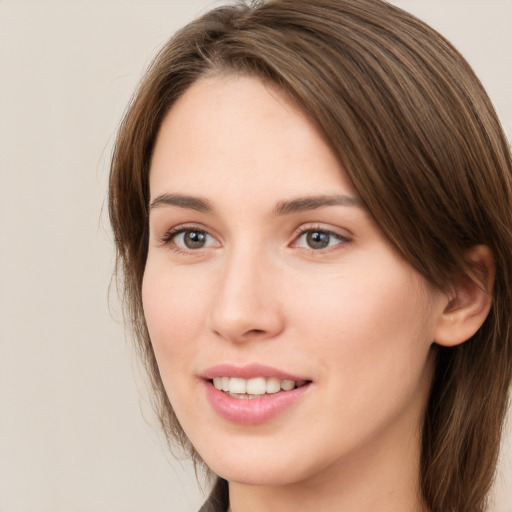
(273, 385)
(237, 385)
(256, 386)
(287, 385)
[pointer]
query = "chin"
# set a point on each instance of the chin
(257, 476)
(260, 469)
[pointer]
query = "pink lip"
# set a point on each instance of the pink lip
(255, 410)
(252, 411)
(249, 371)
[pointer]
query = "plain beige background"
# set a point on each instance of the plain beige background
(76, 429)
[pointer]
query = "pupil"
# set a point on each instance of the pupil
(318, 240)
(194, 239)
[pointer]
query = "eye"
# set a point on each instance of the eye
(190, 239)
(318, 239)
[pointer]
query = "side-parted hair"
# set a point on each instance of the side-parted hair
(421, 143)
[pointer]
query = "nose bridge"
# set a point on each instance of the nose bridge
(246, 300)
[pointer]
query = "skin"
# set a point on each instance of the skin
(354, 317)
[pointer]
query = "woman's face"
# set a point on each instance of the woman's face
(265, 272)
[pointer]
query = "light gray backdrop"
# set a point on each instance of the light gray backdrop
(76, 430)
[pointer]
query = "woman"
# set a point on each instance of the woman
(311, 203)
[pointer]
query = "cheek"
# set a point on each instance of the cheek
(377, 325)
(174, 313)
(371, 341)
(367, 303)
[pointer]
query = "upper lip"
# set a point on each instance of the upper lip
(248, 371)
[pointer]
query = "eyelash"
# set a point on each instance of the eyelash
(171, 235)
(340, 239)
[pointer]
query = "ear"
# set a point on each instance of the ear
(470, 300)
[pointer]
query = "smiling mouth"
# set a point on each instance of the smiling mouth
(256, 387)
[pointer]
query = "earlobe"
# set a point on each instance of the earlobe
(470, 301)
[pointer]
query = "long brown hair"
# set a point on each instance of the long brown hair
(419, 139)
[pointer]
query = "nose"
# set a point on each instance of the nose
(246, 303)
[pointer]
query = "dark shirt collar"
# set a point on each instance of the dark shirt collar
(218, 500)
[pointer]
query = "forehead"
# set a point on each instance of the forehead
(239, 133)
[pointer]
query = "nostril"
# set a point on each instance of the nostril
(255, 331)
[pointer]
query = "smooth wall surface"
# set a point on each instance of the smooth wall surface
(76, 429)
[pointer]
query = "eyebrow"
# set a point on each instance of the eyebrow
(302, 204)
(193, 203)
(285, 207)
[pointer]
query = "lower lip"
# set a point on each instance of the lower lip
(252, 411)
